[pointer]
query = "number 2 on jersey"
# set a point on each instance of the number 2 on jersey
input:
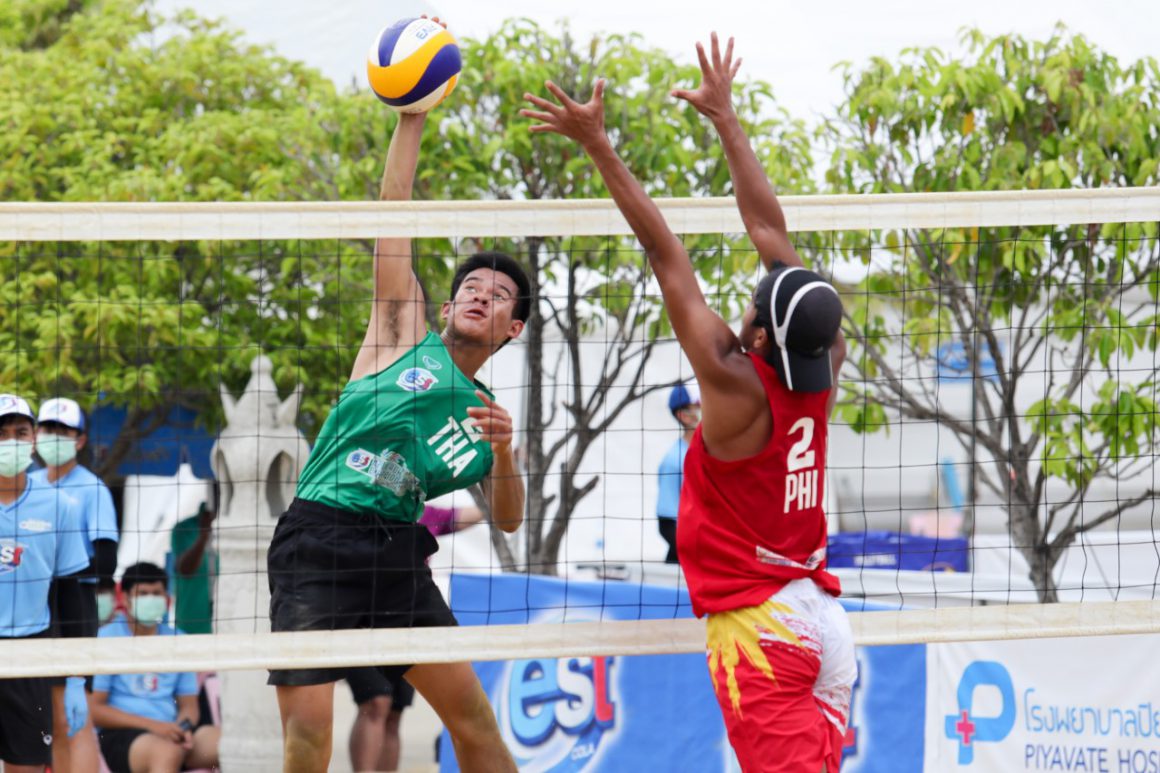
(801, 484)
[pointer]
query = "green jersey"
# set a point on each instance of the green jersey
(399, 437)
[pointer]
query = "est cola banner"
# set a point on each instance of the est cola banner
(1082, 704)
(654, 712)
(591, 714)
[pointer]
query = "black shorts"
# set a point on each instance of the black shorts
(26, 721)
(115, 745)
(369, 682)
(331, 570)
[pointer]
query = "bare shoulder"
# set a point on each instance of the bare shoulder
(735, 419)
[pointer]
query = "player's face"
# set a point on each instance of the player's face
(483, 308)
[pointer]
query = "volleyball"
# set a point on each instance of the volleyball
(413, 65)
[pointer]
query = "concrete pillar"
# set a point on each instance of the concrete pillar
(256, 460)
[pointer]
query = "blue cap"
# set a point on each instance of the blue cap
(683, 395)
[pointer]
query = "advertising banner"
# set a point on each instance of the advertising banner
(590, 714)
(1082, 704)
(654, 712)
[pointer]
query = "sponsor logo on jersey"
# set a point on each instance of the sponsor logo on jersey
(35, 524)
(147, 684)
(417, 380)
(359, 460)
(388, 469)
(432, 363)
(10, 555)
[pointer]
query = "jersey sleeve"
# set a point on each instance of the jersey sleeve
(102, 682)
(103, 516)
(71, 554)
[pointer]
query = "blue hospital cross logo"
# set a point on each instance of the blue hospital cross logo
(967, 728)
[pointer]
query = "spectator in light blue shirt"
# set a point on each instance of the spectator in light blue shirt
(41, 556)
(149, 721)
(685, 405)
(60, 435)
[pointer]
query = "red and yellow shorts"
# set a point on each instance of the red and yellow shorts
(783, 671)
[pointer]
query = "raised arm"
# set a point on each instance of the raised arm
(397, 321)
(760, 210)
(706, 339)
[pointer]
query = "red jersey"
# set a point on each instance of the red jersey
(748, 527)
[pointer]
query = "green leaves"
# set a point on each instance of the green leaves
(1010, 114)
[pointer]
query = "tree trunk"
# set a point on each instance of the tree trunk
(1032, 544)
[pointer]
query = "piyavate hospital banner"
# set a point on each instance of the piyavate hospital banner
(1082, 704)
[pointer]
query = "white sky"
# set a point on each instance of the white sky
(791, 45)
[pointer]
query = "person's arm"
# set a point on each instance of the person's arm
(712, 348)
(187, 710)
(704, 335)
(66, 599)
(190, 559)
(104, 563)
(469, 515)
(760, 211)
(503, 488)
(397, 320)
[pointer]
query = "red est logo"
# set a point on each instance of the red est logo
(10, 553)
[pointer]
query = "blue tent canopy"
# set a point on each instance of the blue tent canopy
(180, 439)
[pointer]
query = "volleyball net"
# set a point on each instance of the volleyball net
(991, 467)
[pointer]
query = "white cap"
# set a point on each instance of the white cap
(62, 410)
(11, 405)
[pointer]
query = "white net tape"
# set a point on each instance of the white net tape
(590, 217)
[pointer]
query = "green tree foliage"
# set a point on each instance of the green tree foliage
(121, 105)
(107, 102)
(1062, 310)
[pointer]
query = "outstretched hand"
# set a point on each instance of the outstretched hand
(714, 97)
(581, 122)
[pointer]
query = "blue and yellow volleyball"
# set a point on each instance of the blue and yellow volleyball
(413, 65)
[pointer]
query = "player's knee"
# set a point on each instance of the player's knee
(162, 756)
(377, 708)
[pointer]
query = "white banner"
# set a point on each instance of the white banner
(1082, 704)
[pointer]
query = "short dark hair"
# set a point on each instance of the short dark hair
(504, 264)
(14, 418)
(62, 425)
(143, 573)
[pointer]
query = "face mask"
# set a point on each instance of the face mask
(15, 456)
(149, 610)
(105, 604)
(56, 450)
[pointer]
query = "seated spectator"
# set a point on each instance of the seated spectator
(149, 722)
